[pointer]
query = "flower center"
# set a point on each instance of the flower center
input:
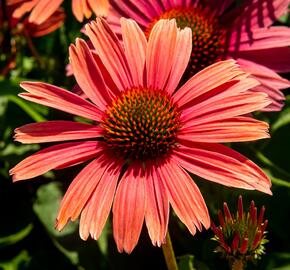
(141, 124)
(207, 35)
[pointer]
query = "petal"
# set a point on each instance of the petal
(160, 53)
(111, 52)
(222, 165)
(55, 97)
(43, 10)
(180, 59)
(236, 129)
(81, 190)
(256, 13)
(100, 7)
(277, 59)
(48, 26)
(157, 209)
(135, 45)
(129, 208)
(54, 157)
(184, 196)
(97, 209)
(53, 131)
(261, 38)
(140, 11)
(215, 109)
(88, 74)
(206, 80)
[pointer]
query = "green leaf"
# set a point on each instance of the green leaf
(14, 238)
(283, 119)
(46, 207)
(16, 262)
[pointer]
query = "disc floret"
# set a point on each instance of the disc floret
(140, 124)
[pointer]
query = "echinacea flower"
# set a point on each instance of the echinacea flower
(146, 135)
(22, 25)
(221, 32)
(241, 236)
(42, 9)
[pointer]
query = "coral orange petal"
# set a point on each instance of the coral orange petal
(222, 165)
(53, 157)
(81, 190)
(135, 46)
(43, 10)
(236, 129)
(110, 52)
(53, 131)
(129, 208)
(98, 207)
(180, 59)
(206, 80)
(88, 74)
(160, 53)
(157, 209)
(184, 196)
(58, 98)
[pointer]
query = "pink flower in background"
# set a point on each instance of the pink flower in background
(147, 132)
(220, 32)
(24, 26)
(42, 9)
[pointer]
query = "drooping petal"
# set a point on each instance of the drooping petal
(88, 74)
(184, 196)
(58, 98)
(81, 190)
(236, 129)
(97, 209)
(160, 53)
(43, 10)
(277, 59)
(54, 157)
(255, 13)
(111, 52)
(271, 83)
(260, 38)
(53, 131)
(219, 6)
(135, 45)
(129, 208)
(157, 208)
(222, 165)
(206, 80)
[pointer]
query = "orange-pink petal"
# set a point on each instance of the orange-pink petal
(54, 157)
(97, 209)
(135, 45)
(110, 52)
(184, 196)
(81, 190)
(53, 131)
(222, 165)
(160, 53)
(157, 208)
(88, 74)
(129, 208)
(58, 98)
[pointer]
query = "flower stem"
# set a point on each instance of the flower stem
(168, 253)
(237, 265)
